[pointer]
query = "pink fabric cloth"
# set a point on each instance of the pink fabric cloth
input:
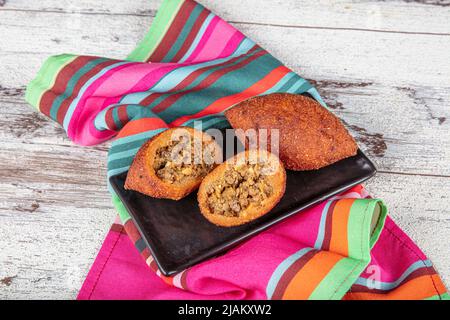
(119, 272)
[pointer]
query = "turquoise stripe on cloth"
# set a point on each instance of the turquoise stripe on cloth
(380, 285)
(173, 78)
(282, 267)
(71, 85)
(75, 101)
(323, 220)
(184, 33)
(199, 35)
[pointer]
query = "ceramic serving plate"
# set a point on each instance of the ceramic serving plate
(179, 236)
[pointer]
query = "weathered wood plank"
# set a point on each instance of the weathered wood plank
(390, 88)
(22, 123)
(54, 211)
(71, 229)
(401, 129)
(317, 54)
(29, 164)
(47, 253)
(386, 58)
(366, 15)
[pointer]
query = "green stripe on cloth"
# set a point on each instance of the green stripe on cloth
(123, 213)
(368, 214)
(365, 223)
(166, 13)
(444, 296)
(43, 82)
(358, 240)
(339, 280)
(377, 226)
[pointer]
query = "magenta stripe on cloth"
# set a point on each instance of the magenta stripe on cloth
(87, 113)
(216, 43)
(204, 40)
(232, 44)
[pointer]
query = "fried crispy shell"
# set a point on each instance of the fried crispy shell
(311, 137)
(142, 176)
(277, 180)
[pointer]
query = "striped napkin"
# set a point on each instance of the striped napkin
(192, 66)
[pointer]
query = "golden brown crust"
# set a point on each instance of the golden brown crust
(311, 137)
(277, 180)
(141, 176)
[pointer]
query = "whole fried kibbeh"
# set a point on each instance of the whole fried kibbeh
(173, 163)
(243, 188)
(310, 136)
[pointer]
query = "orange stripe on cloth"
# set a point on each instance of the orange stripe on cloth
(421, 287)
(221, 104)
(339, 230)
(439, 285)
(167, 280)
(141, 125)
(309, 277)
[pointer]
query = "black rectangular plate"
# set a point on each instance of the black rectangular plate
(179, 236)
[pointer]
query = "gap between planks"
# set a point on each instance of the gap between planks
(339, 28)
(414, 174)
(152, 14)
(341, 11)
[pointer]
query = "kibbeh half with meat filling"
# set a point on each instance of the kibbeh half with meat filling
(173, 163)
(243, 188)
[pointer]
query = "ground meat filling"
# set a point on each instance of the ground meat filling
(180, 160)
(238, 189)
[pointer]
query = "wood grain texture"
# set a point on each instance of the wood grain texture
(365, 15)
(323, 53)
(379, 65)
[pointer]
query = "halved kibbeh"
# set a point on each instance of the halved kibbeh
(243, 188)
(173, 163)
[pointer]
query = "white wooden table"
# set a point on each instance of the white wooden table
(383, 66)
